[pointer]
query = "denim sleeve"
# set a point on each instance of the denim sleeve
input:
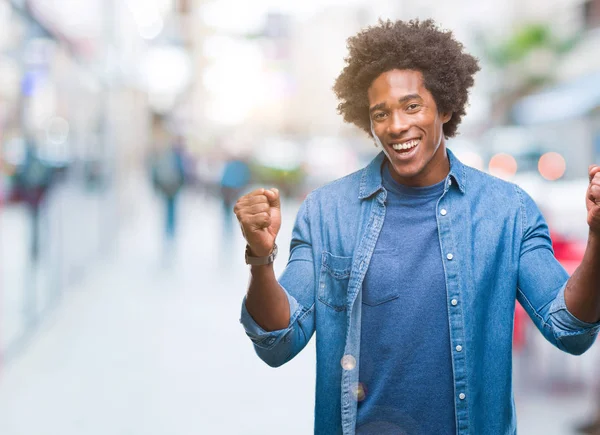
(541, 286)
(297, 280)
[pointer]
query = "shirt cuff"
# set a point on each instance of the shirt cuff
(565, 321)
(258, 335)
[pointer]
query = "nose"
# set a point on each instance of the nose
(399, 123)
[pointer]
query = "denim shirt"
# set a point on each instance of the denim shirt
(496, 249)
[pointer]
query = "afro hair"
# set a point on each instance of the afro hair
(414, 45)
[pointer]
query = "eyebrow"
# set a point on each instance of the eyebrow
(402, 100)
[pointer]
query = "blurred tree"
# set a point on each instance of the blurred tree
(288, 181)
(524, 63)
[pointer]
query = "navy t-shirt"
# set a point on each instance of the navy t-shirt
(406, 380)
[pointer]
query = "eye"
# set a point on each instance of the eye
(378, 116)
(413, 106)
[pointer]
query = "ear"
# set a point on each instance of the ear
(446, 117)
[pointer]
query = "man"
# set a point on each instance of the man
(408, 270)
(168, 178)
(234, 179)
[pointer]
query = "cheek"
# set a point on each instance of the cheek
(377, 131)
(436, 128)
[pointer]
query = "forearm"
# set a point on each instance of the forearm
(266, 300)
(582, 294)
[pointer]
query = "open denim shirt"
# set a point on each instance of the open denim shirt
(495, 249)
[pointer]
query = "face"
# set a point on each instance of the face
(405, 122)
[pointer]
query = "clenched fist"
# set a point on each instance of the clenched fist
(259, 214)
(593, 199)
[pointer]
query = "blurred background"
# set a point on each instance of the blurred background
(129, 128)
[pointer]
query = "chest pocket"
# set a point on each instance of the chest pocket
(334, 279)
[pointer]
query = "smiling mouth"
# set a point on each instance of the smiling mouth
(406, 146)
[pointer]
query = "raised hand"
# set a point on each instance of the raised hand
(259, 214)
(593, 199)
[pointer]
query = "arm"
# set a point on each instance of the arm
(266, 300)
(279, 316)
(542, 286)
(259, 214)
(582, 294)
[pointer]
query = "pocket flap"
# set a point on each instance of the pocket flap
(338, 267)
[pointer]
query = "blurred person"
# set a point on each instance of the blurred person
(32, 180)
(234, 179)
(168, 177)
(409, 269)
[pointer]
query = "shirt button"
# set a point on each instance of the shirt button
(459, 348)
(443, 212)
(462, 396)
(449, 256)
(348, 362)
(322, 285)
(454, 302)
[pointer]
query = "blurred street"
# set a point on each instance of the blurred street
(128, 129)
(145, 347)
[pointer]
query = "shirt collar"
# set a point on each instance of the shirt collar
(371, 183)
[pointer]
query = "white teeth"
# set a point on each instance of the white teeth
(406, 145)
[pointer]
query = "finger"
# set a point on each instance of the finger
(274, 197)
(594, 193)
(259, 221)
(251, 216)
(252, 200)
(257, 208)
(259, 191)
(593, 170)
(252, 194)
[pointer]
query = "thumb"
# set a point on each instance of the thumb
(273, 197)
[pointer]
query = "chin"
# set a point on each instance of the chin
(405, 172)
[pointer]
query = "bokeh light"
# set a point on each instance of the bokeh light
(472, 159)
(57, 130)
(552, 166)
(152, 29)
(503, 166)
(360, 392)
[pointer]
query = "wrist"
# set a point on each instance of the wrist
(262, 260)
(259, 270)
(254, 252)
(594, 239)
